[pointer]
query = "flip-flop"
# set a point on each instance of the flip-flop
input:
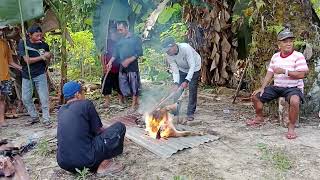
(190, 118)
(291, 135)
(32, 121)
(112, 168)
(4, 125)
(47, 124)
(254, 123)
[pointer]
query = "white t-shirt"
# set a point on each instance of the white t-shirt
(187, 60)
(294, 62)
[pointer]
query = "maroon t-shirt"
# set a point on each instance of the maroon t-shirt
(108, 55)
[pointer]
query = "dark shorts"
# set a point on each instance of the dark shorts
(109, 143)
(129, 83)
(274, 92)
(6, 88)
(111, 83)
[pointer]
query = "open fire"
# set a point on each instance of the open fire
(159, 124)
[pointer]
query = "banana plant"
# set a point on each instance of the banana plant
(19, 11)
(107, 10)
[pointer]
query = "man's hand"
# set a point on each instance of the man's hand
(47, 55)
(108, 66)
(126, 63)
(260, 90)
(184, 85)
(279, 71)
(175, 87)
(105, 69)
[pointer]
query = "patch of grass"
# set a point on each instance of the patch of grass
(277, 157)
(181, 178)
(281, 161)
(82, 174)
(43, 148)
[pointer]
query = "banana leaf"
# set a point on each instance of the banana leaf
(107, 10)
(9, 11)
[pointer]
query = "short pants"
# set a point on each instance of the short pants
(6, 88)
(129, 83)
(273, 92)
(111, 83)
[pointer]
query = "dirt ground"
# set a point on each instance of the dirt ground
(241, 152)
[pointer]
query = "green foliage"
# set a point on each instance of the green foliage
(277, 157)
(43, 148)
(200, 3)
(298, 43)
(235, 18)
(78, 12)
(10, 13)
(316, 6)
(82, 56)
(83, 62)
(181, 178)
(274, 28)
(177, 30)
(153, 66)
(107, 10)
(169, 12)
(82, 174)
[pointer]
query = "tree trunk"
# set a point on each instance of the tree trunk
(152, 19)
(210, 34)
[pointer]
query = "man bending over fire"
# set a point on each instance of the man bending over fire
(288, 67)
(82, 139)
(185, 64)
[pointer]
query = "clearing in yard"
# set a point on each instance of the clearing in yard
(240, 153)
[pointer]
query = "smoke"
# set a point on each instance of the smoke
(152, 95)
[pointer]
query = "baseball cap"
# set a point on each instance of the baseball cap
(167, 43)
(70, 89)
(284, 34)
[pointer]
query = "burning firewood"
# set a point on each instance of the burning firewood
(159, 124)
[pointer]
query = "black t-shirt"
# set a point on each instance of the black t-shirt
(127, 47)
(78, 123)
(37, 68)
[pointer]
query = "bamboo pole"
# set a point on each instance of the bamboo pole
(25, 43)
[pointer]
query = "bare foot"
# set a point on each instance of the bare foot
(257, 121)
(109, 167)
(291, 134)
(3, 124)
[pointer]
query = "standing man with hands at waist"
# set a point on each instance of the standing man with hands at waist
(39, 56)
(127, 51)
(185, 64)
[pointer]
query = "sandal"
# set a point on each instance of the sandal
(47, 124)
(254, 123)
(190, 118)
(4, 124)
(291, 135)
(32, 121)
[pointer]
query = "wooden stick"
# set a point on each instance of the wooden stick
(168, 97)
(104, 81)
(239, 85)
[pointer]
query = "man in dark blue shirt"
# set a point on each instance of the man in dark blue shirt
(127, 51)
(82, 139)
(38, 58)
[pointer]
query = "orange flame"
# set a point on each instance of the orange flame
(154, 125)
